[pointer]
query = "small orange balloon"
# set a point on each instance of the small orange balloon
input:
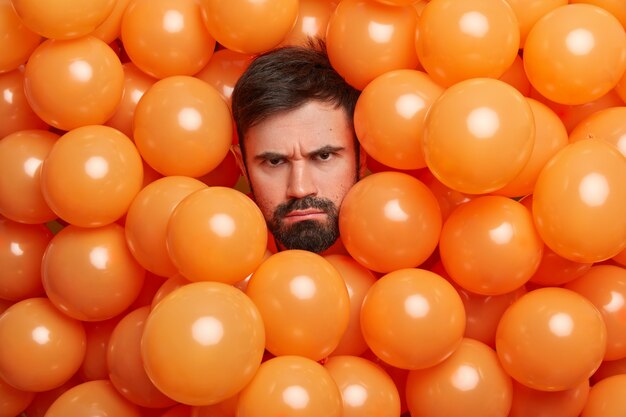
(168, 286)
(447, 198)
(109, 30)
(606, 124)
(15, 112)
(223, 71)
(406, 307)
(531, 402)
(606, 398)
(13, 401)
(97, 333)
(516, 77)
(528, 12)
(574, 115)
(312, 22)
(98, 398)
(17, 41)
(226, 174)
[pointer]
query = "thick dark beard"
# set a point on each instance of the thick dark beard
(309, 235)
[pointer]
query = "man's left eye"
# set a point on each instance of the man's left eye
(324, 156)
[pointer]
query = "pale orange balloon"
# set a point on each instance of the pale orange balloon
(97, 334)
(365, 39)
(406, 307)
(531, 402)
(74, 83)
(40, 347)
(516, 76)
(528, 12)
(203, 343)
(98, 398)
(12, 400)
(582, 40)
(579, 202)
(478, 135)
(109, 30)
(606, 124)
(471, 382)
(312, 22)
(366, 389)
(290, 386)
(606, 398)
(616, 7)
(551, 339)
(223, 71)
(17, 41)
(15, 112)
(148, 217)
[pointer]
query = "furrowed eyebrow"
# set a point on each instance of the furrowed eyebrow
(266, 156)
(325, 149)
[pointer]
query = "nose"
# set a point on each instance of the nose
(301, 182)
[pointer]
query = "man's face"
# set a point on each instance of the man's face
(300, 166)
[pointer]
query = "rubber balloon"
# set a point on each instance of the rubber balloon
(94, 397)
(15, 111)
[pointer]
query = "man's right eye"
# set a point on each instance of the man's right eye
(274, 161)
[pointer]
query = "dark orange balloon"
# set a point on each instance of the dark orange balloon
(531, 402)
(471, 382)
(390, 221)
(15, 112)
(17, 41)
(12, 400)
(573, 115)
(528, 12)
(182, 126)
(151, 285)
(609, 368)
(43, 400)
(406, 307)
(109, 30)
(97, 398)
(606, 398)
(226, 174)
(620, 258)
(74, 83)
(40, 347)
(551, 339)
(447, 198)
(516, 77)
(90, 274)
(223, 71)
(203, 343)
(312, 22)
(365, 39)
(98, 333)
(226, 408)
(168, 286)
(606, 124)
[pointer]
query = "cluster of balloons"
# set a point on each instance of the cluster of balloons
(483, 266)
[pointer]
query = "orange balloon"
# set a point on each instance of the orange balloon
(471, 382)
(151, 285)
(90, 274)
(180, 410)
(447, 198)
(226, 408)
(551, 339)
(573, 115)
(74, 83)
(290, 386)
(312, 22)
(609, 368)
(406, 307)
(582, 40)
(125, 365)
(12, 400)
(389, 117)
(216, 234)
(358, 280)
(399, 377)
(365, 39)
(528, 12)
(390, 221)
(616, 7)
(40, 347)
(148, 217)
(43, 400)
(226, 174)
(490, 246)
(98, 398)
(297, 293)
(166, 37)
(168, 286)
(15, 112)
(17, 41)
(21, 156)
(366, 389)
(606, 124)
(605, 287)
(182, 126)
(223, 71)
(620, 258)
(94, 365)
(109, 30)
(202, 343)
(516, 77)
(530, 402)
(579, 202)
(606, 398)
(478, 135)
(250, 26)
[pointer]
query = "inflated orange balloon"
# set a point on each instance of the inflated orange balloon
(168, 286)
(606, 398)
(528, 12)
(579, 202)
(17, 41)
(125, 365)
(74, 83)
(399, 376)
(216, 234)
(226, 408)
(202, 343)
(98, 398)
(389, 117)
(12, 400)
(366, 389)
(312, 22)
(447, 198)
(148, 217)
(531, 402)
(365, 39)
(223, 71)
(290, 386)
(15, 111)
(478, 135)
(166, 37)
(297, 293)
(582, 40)
(151, 285)
(110, 29)
(609, 368)
(620, 258)
(390, 221)
(406, 307)
(358, 280)
(90, 274)
(43, 400)
(573, 115)
(182, 126)
(40, 347)
(471, 382)
(250, 26)
(490, 246)
(98, 333)
(551, 339)
(605, 125)
(91, 175)
(516, 77)
(226, 174)
(21, 156)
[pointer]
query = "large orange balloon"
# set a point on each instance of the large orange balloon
(531, 402)
(616, 7)
(582, 40)
(223, 71)
(390, 221)
(290, 386)
(459, 40)
(312, 22)
(15, 112)
(182, 126)
(91, 175)
(471, 382)
(606, 398)
(17, 41)
(298, 293)
(203, 343)
(40, 347)
(98, 398)
(12, 400)
(365, 39)
(528, 12)
(405, 308)
(74, 83)
(90, 274)
(551, 339)
(579, 202)
(606, 124)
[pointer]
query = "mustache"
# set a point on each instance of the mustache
(304, 203)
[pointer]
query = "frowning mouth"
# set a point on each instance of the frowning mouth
(308, 214)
